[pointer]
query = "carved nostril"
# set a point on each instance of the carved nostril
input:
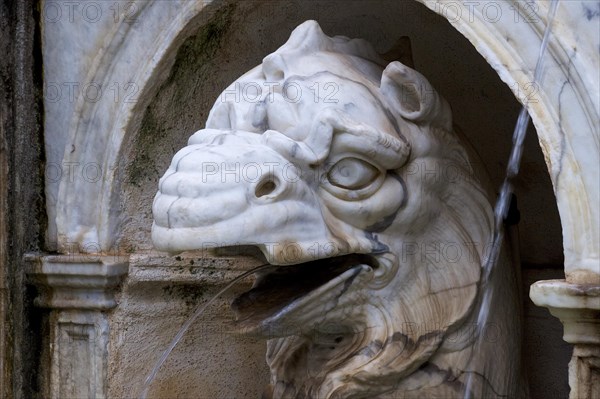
(265, 187)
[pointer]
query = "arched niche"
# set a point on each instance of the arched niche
(87, 211)
(111, 214)
(484, 108)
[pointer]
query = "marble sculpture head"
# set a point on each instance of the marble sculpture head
(346, 172)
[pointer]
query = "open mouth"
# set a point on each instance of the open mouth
(281, 286)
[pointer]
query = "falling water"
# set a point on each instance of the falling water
(506, 190)
(187, 325)
(500, 212)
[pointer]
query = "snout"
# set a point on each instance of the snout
(241, 193)
(207, 184)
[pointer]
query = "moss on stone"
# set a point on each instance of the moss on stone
(193, 63)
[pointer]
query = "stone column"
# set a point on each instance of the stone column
(578, 308)
(78, 290)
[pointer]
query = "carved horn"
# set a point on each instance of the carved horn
(413, 97)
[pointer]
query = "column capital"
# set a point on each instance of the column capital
(76, 281)
(578, 308)
(576, 305)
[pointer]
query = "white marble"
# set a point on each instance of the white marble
(114, 51)
(564, 107)
(85, 134)
(376, 289)
(78, 290)
(578, 308)
(560, 294)
(99, 59)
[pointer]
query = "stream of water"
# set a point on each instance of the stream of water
(503, 202)
(199, 310)
(500, 212)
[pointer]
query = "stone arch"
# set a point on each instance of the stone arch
(142, 52)
(85, 216)
(565, 138)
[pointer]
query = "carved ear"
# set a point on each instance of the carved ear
(409, 94)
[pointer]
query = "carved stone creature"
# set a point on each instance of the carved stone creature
(347, 174)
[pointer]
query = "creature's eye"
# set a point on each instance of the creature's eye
(352, 174)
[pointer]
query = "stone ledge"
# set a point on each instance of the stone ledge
(562, 294)
(76, 281)
(578, 308)
(187, 268)
(576, 305)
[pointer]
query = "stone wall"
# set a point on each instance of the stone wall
(235, 40)
(173, 79)
(22, 207)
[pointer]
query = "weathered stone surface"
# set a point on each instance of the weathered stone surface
(365, 299)
(120, 53)
(161, 292)
(578, 308)
(22, 208)
(78, 290)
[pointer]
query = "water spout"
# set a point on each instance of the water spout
(199, 310)
(506, 190)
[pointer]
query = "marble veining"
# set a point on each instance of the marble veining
(378, 286)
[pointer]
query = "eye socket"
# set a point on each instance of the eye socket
(265, 187)
(352, 174)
